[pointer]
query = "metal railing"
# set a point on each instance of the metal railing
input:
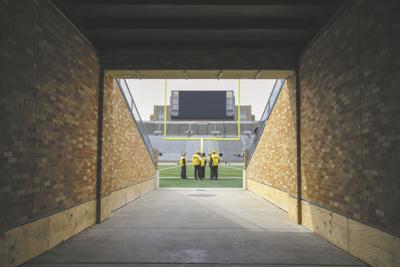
(126, 93)
(265, 116)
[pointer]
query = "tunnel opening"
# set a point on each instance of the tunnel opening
(327, 157)
(221, 123)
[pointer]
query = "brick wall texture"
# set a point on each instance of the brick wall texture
(126, 160)
(274, 160)
(48, 113)
(350, 107)
(49, 118)
(350, 119)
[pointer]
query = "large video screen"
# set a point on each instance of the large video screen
(202, 105)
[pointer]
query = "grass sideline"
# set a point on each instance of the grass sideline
(228, 177)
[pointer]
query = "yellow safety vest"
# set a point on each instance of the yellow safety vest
(181, 161)
(203, 161)
(196, 160)
(215, 159)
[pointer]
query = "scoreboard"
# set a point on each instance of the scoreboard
(202, 105)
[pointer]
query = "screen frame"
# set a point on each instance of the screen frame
(182, 115)
(237, 138)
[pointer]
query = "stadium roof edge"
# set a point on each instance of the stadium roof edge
(200, 74)
(200, 122)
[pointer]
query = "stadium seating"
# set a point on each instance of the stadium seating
(178, 128)
(171, 150)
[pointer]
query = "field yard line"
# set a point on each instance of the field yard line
(231, 167)
(176, 177)
(221, 166)
(169, 168)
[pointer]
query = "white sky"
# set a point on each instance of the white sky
(148, 93)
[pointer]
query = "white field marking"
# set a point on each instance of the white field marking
(231, 167)
(207, 178)
(169, 168)
(221, 166)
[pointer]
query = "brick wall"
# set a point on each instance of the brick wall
(350, 115)
(274, 161)
(48, 113)
(126, 161)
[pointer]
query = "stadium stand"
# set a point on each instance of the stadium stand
(178, 128)
(171, 150)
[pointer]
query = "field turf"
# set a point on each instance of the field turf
(228, 177)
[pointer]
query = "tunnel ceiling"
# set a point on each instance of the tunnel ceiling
(199, 34)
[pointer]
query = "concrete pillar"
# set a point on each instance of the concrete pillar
(103, 193)
(298, 148)
(294, 197)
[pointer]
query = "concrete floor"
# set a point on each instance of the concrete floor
(209, 227)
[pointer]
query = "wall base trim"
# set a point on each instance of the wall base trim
(277, 197)
(27, 241)
(122, 197)
(365, 242)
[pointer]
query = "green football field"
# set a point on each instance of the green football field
(228, 176)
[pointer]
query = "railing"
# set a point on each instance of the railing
(126, 93)
(265, 116)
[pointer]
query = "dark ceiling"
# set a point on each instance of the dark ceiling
(199, 34)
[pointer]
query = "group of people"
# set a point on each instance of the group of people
(199, 162)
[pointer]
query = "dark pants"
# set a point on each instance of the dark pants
(200, 172)
(183, 172)
(211, 172)
(196, 172)
(203, 172)
(214, 172)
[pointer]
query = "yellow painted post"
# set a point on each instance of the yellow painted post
(165, 108)
(238, 127)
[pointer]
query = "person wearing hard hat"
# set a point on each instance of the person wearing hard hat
(196, 164)
(214, 165)
(182, 164)
(203, 163)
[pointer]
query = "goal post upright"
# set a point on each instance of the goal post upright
(238, 112)
(165, 107)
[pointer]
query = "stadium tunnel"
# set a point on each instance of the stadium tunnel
(328, 155)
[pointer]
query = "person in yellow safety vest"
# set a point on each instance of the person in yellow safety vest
(214, 165)
(203, 163)
(210, 164)
(196, 164)
(182, 163)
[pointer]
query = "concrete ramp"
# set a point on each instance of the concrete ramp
(209, 227)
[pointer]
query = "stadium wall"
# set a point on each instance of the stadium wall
(272, 171)
(350, 129)
(128, 171)
(48, 137)
(49, 116)
(349, 132)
